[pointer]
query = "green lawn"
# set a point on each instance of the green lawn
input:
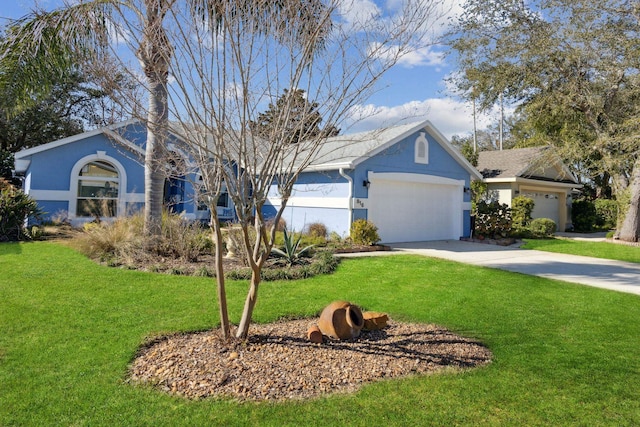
(605, 250)
(564, 354)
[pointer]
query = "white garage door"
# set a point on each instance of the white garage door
(411, 210)
(546, 206)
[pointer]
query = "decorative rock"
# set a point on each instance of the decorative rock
(374, 320)
(341, 320)
(314, 335)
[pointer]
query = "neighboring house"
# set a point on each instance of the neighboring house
(100, 174)
(408, 180)
(533, 172)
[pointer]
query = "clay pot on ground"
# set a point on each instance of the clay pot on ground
(374, 321)
(341, 320)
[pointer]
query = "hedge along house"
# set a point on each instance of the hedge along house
(100, 174)
(534, 172)
(408, 180)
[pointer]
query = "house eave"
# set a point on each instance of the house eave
(74, 138)
(329, 167)
(529, 181)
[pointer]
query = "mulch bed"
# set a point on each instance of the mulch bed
(277, 362)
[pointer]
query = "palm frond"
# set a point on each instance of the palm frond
(42, 43)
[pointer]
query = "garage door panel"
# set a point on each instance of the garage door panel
(407, 211)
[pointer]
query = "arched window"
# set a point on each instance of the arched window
(421, 153)
(98, 190)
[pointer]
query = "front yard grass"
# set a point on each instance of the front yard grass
(564, 354)
(606, 250)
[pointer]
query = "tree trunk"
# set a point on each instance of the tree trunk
(222, 293)
(249, 305)
(630, 230)
(155, 54)
(153, 161)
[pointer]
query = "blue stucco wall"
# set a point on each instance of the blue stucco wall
(321, 189)
(400, 158)
(48, 178)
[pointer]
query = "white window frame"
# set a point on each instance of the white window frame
(75, 178)
(421, 149)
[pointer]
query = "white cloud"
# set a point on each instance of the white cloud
(421, 57)
(356, 13)
(448, 115)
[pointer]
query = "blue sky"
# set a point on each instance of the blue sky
(415, 88)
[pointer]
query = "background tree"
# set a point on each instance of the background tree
(572, 67)
(69, 107)
(301, 116)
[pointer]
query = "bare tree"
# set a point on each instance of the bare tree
(211, 67)
(228, 73)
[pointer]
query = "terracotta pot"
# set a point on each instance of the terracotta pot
(314, 335)
(341, 320)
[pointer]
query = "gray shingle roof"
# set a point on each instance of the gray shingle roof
(516, 162)
(347, 150)
(507, 163)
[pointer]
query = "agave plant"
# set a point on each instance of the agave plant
(290, 252)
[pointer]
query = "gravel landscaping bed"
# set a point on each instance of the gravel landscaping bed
(277, 362)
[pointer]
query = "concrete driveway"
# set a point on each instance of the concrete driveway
(602, 273)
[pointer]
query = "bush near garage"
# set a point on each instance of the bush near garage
(606, 213)
(364, 232)
(521, 209)
(542, 227)
(583, 215)
(492, 220)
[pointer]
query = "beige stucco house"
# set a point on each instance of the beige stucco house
(534, 172)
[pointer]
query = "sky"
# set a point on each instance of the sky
(414, 89)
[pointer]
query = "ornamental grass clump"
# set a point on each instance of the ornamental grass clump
(122, 241)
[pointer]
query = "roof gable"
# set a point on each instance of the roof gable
(348, 151)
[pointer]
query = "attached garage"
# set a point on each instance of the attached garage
(534, 172)
(407, 180)
(414, 207)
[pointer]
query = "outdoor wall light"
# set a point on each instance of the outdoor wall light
(466, 189)
(366, 183)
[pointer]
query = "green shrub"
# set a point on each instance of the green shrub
(15, 209)
(492, 220)
(583, 215)
(606, 213)
(364, 232)
(521, 208)
(323, 262)
(542, 227)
